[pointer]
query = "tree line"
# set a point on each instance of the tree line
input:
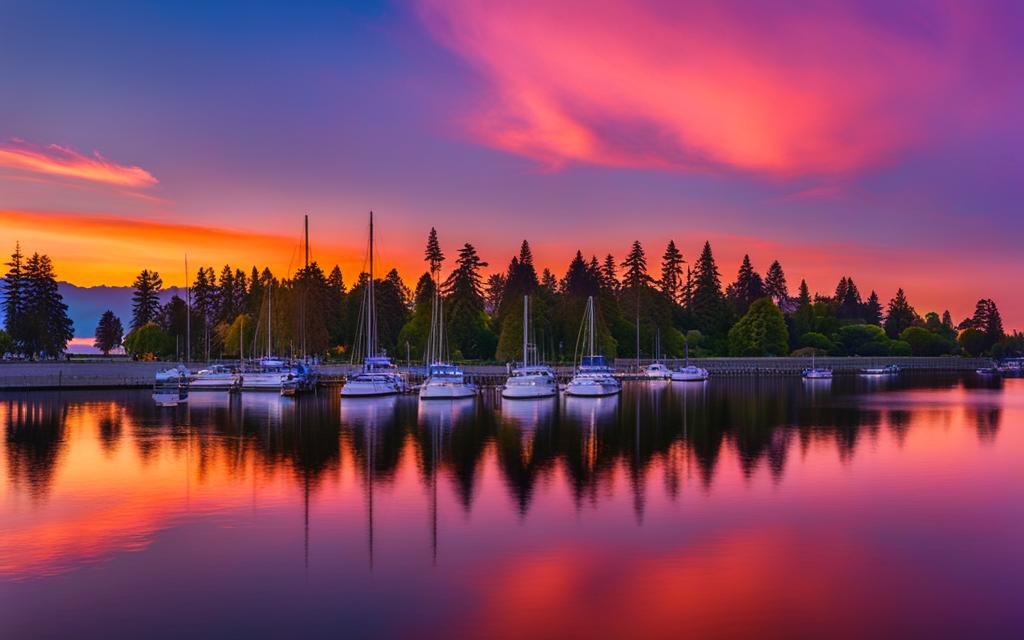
(683, 307)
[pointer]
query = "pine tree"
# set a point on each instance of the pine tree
(672, 273)
(803, 317)
(494, 292)
(146, 298)
(873, 310)
(899, 315)
(747, 288)
(986, 319)
(708, 304)
(433, 254)
(579, 280)
(49, 329)
(609, 280)
(849, 306)
(775, 284)
(14, 299)
(635, 265)
(548, 282)
(466, 319)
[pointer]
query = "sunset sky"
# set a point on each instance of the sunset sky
(879, 140)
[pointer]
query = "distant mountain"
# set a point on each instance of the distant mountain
(87, 304)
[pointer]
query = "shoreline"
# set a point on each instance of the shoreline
(121, 374)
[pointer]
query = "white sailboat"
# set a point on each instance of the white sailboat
(816, 373)
(689, 372)
(530, 381)
(379, 376)
(656, 370)
(445, 381)
(593, 377)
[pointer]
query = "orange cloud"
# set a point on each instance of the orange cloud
(65, 162)
(782, 91)
(91, 250)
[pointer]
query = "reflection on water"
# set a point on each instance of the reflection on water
(803, 503)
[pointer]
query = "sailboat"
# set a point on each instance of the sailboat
(445, 381)
(593, 377)
(536, 381)
(689, 372)
(656, 370)
(816, 373)
(379, 376)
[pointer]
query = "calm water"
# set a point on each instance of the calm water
(738, 508)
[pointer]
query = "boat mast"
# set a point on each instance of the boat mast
(590, 313)
(371, 315)
(526, 320)
(270, 315)
(188, 315)
(305, 250)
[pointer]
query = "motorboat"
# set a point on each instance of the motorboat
(690, 373)
(530, 381)
(657, 371)
(174, 376)
(816, 373)
(379, 377)
(170, 387)
(593, 378)
(446, 382)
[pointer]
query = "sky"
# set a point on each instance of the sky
(876, 140)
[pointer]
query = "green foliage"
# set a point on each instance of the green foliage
(711, 313)
(672, 281)
(747, 288)
(243, 326)
(6, 343)
(973, 342)
(760, 332)
(1011, 346)
(926, 343)
(862, 340)
(817, 341)
(149, 341)
(899, 315)
(900, 349)
(109, 332)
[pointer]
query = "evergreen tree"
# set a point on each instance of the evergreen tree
(14, 299)
(635, 265)
(899, 315)
(775, 285)
(548, 282)
(873, 310)
(986, 319)
(47, 329)
(802, 321)
(109, 333)
(672, 282)
(173, 319)
(494, 293)
(433, 254)
(849, 305)
(708, 306)
(579, 281)
(760, 332)
(226, 311)
(688, 289)
(747, 288)
(146, 298)
(609, 280)
(467, 322)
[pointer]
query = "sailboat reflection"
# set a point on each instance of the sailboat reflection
(592, 411)
(370, 411)
(446, 413)
(530, 416)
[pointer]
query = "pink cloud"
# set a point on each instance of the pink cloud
(65, 162)
(709, 86)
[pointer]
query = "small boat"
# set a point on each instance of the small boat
(529, 381)
(215, 378)
(816, 373)
(175, 376)
(445, 381)
(379, 376)
(689, 372)
(887, 370)
(593, 377)
(657, 371)
(986, 371)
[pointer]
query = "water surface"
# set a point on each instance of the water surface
(745, 507)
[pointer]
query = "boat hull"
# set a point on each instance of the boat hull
(592, 389)
(529, 391)
(453, 391)
(359, 389)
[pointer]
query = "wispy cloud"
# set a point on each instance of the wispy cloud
(65, 162)
(767, 88)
